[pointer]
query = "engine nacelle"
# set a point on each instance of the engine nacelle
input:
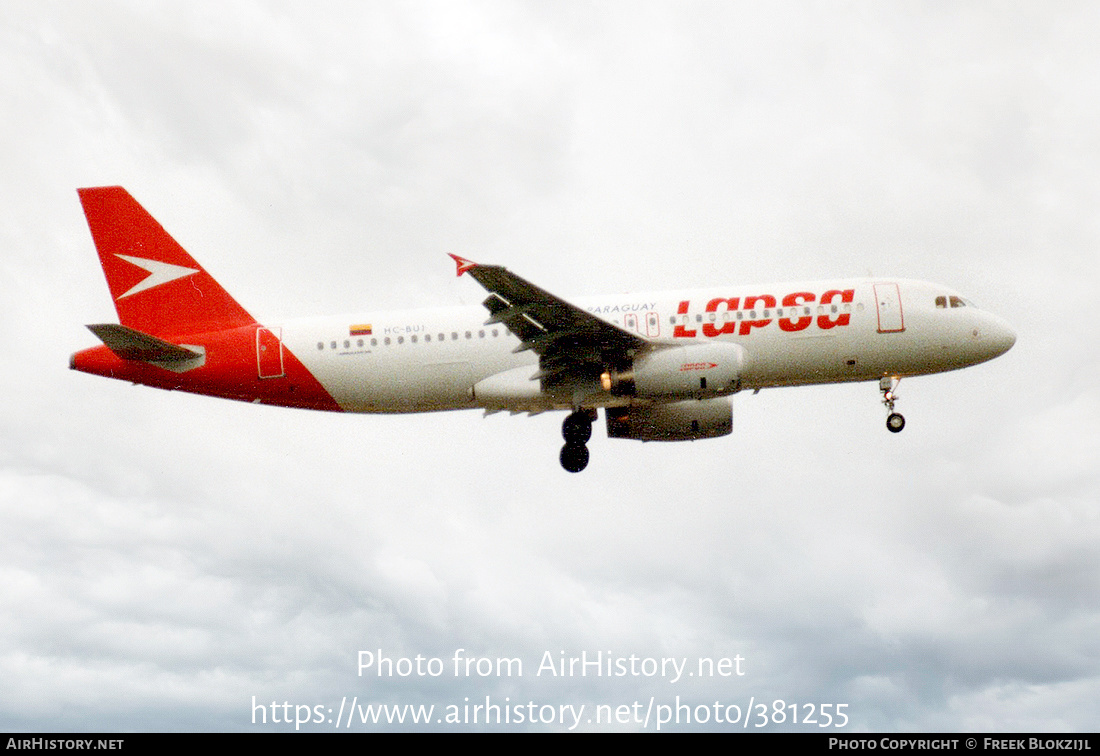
(678, 421)
(694, 370)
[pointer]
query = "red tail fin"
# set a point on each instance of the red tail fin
(157, 287)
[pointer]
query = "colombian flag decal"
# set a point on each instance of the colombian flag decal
(362, 329)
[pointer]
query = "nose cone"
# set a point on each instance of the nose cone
(1002, 337)
(995, 337)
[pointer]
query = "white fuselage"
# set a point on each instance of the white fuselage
(661, 367)
(792, 334)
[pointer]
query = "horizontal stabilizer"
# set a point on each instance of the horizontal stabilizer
(129, 344)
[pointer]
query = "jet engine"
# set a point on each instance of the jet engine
(695, 370)
(677, 421)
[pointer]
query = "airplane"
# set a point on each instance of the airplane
(662, 367)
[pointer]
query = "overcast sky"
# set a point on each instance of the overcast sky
(165, 557)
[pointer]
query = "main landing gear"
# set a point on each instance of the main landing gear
(576, 430)
(894, 421)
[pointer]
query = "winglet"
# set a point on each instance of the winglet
(463, 264)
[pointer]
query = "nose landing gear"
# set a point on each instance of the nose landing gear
(894, 421)
(576, 429)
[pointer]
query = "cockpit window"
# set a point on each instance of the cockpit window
(944, 301)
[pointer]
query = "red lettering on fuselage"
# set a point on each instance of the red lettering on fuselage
(757, 312)
(750, 303)
(802, 323)
(846, 296)
(681, 330)
(709, 329)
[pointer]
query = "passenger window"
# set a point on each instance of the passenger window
(374, 342)
(427, 337)
(347, 344)
(494, 332)
(400, 339)
(481, 334)
(454, 335)
(387, 341)
(333, 345)
(320, 345)
(469, 335)
(414, 339)
(360, 342)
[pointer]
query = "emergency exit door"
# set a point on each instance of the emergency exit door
(652, 324)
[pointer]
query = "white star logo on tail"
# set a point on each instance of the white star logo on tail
(159, 273)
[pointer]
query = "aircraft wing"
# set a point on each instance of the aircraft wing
(571, 343)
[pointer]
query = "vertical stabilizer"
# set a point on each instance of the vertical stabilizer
(157, 287)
